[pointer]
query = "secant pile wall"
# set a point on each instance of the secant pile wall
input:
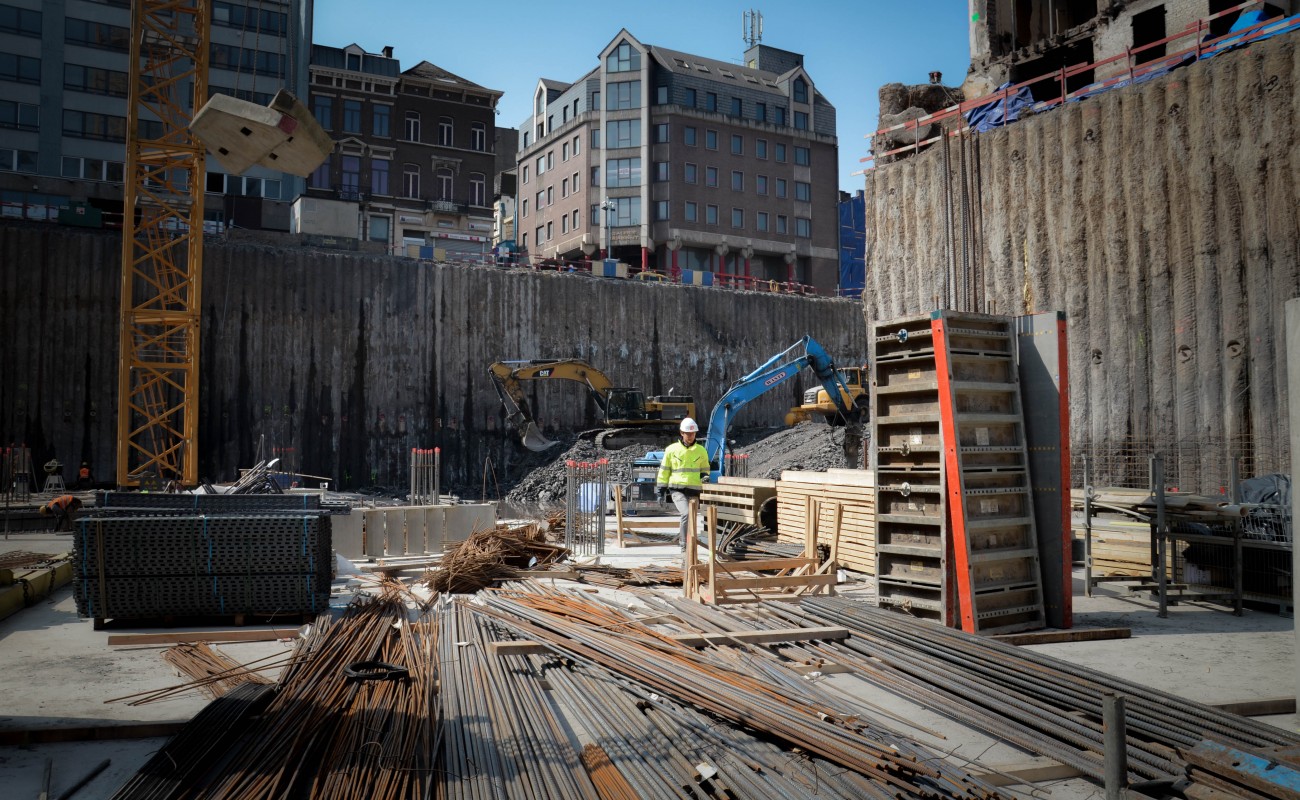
(345, 362)
(1163, 219)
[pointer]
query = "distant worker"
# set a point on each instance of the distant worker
(62, 507)
(83, 476)
(683, 472)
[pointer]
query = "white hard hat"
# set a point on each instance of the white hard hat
(689, 426)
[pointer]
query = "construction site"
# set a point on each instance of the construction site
(289, 521)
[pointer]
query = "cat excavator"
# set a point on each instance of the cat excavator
(629, 416)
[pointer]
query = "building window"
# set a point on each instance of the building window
(692, 214)
(761, 222)
(575, 183)
(550, 160)
(379, 228)
(477, 189)
(23, 116)
(624, 133)
(234, 58)
(802, 156)
(378, 176)
(689, 99)
(711, 176)
(780, 153)
(710, 215)
(780, 187)
(541, 166)
(564, 115)
(622, 172)
(322, 108)
(803, 228)
(524, 244)
(661, 171)
(94, 80)
(801, 120)
(737, 217)
(688, 136)
(413, 126)
(624, 95)
(446, 131)
(595, 176)
(550, 195)
(711, 140)
(21, 21)
(352, 116)
(574, 224)
(350, 184)
(319, 178)
(737, 144)
(478, 137)
(802, 192)
(737, 181)
(760, 184)
(564, 188)
(253, 20)
(661, 211)
(564, 152)
(411, 179)
(760, 112)
(20, 68)
(623, 58)
(760, 148)
(781, 224)
(691, 173)
(380, 116)
(661, 133)
(661, 95)
(595, 100)
(88, 125)
(627, 211)
(736, 107)
(800, 90)
(17, 160)
(538, 235)
(564, 224)
(577, 141)
(595, 216)
(444, 178)
(710, 101)
(778, 115)
(523, 207)
(100, 34)
(595, 138)
(525, 173)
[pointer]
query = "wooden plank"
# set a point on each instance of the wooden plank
(728, 480)
(838, 477)
(183, 637)
(773, 582)
(1073, 635)
(1259, 708)
(1025, 774)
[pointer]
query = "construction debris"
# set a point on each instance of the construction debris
(216, 672)
(489, 556)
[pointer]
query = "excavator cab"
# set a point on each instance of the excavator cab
(624, 405)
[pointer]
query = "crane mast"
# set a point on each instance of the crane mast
(162, 244)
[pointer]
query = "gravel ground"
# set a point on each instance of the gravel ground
(807, 446)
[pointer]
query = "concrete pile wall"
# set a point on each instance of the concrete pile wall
(1164, 219)
(351, 360)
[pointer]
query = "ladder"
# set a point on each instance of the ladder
(994, 546)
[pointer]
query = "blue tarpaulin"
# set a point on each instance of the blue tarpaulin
(1246, 20)
(1001, 111)
(853, 243)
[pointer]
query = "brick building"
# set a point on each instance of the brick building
(676, 161)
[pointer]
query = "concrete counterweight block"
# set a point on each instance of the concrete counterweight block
(348, 535)
(283, 136)
(376, 537)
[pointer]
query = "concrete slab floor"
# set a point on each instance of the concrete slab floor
(57, 671)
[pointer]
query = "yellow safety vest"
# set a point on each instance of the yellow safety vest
(684, 467)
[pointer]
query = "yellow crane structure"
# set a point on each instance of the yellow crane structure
(162, 245)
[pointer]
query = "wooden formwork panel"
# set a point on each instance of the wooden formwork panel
(853, 490)
(739, 499)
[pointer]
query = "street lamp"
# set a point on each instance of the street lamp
(608, 206)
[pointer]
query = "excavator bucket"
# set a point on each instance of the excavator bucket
(533, 438)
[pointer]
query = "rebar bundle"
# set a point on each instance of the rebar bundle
(487, 556)
(216, 673)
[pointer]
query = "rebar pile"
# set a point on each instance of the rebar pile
(1040, 703)
(15, 559)
(215, 673)
(624, 577)
(491, 555)
(594, 634)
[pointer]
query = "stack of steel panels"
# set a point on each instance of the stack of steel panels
(159, 564)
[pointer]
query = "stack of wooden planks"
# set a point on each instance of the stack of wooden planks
(853, 489)
(739, 499)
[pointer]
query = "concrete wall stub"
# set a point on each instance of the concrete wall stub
(417, 534)
(376, 537)
(1292, 311)
(282, 136)
(435, 525)
(395, 525)
(462, 520)
(348, 534)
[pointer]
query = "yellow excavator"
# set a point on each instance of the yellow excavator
(629, 416)
(817, 403)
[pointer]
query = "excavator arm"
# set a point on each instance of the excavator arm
(778, 369)
(508, 378)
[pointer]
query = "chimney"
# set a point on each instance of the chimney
(935, 77)
(387, 51)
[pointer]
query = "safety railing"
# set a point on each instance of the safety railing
(1132, 70)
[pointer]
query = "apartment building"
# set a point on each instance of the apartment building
(414, 162)
(63, 100)
(672, 161)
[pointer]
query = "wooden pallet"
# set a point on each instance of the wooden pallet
(739, 499)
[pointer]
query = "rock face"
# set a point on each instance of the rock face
(1162, 219)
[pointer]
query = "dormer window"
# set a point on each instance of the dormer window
(800, 90)
(623, 58)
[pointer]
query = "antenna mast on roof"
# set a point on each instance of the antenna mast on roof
(751, 29)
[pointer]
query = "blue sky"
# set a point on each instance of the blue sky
(850, 47)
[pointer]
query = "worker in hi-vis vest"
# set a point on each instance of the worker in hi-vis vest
(62, 508)
(683, 472)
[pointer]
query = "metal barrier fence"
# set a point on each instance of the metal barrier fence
(586, 500)
(1191, 465)
(425, 468)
